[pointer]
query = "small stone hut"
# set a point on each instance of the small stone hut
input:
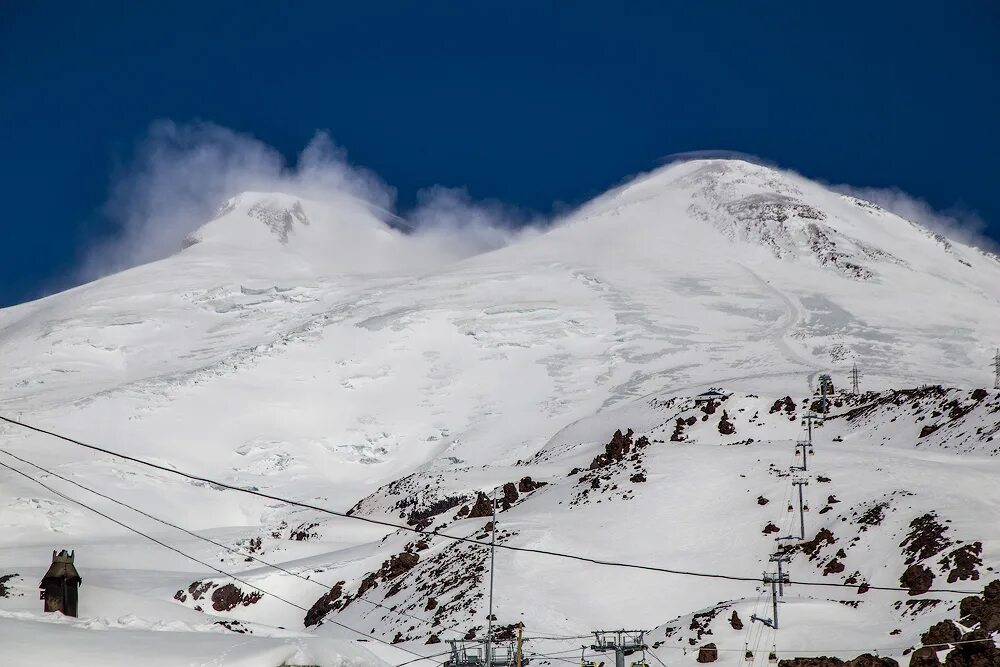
(59, 586)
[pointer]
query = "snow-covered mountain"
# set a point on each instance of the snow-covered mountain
(312, 351)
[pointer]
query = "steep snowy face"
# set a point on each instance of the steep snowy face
(790, 217)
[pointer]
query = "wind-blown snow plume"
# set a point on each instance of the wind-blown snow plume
(180, 174)
(449, 219)
(956, 223)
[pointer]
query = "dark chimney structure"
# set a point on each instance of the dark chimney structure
(59, 585)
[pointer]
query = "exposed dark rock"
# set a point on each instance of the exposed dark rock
(527, 485)
(770, 528)
(483, 507)
(708, 653)
(918, 579)
(924, 657)
(833, 567)
(735, 621)
(304, 532)
(615, 450)
(433, 639)
(325, 604)
(638, 477)
(940, 634)
(925, 539)
(864, 660)
(873, 516)
(227, 597)
(510, 495)
(421, 518)
(983, 611)
(726, 427)
(786, 404)
(928, 429)
(432, 604)
(810, 547)
(761, 500)
(963, 562)
(5, 590)
(978, 650)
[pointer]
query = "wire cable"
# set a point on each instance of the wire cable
(431, 533)
(325, 587)
(195, 559)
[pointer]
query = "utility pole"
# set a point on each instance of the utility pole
(806, 448)
(802, 507)
(493, 549)
(996, 370)
(856, 379)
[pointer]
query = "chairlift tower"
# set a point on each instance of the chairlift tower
(807, 449)
(622, 642)
(781, 558)
(808, 420)
(774, 579)
(803, 507)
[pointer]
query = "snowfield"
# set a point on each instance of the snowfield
(311, 351)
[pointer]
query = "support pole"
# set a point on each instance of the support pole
(493, 549)
(520, 639)
(802, 516)
(774, 597)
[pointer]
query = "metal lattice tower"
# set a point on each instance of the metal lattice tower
(856, 379)
(996, 370)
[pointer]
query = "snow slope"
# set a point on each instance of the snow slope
(311, 351)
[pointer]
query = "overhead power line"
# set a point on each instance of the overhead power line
(457, 538)
(195, 558)
(244, 554)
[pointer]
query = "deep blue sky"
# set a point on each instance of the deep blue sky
(529, 103)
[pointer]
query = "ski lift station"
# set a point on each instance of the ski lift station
(479, 654)
(709, 396)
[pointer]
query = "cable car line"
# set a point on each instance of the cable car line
(456, 538)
